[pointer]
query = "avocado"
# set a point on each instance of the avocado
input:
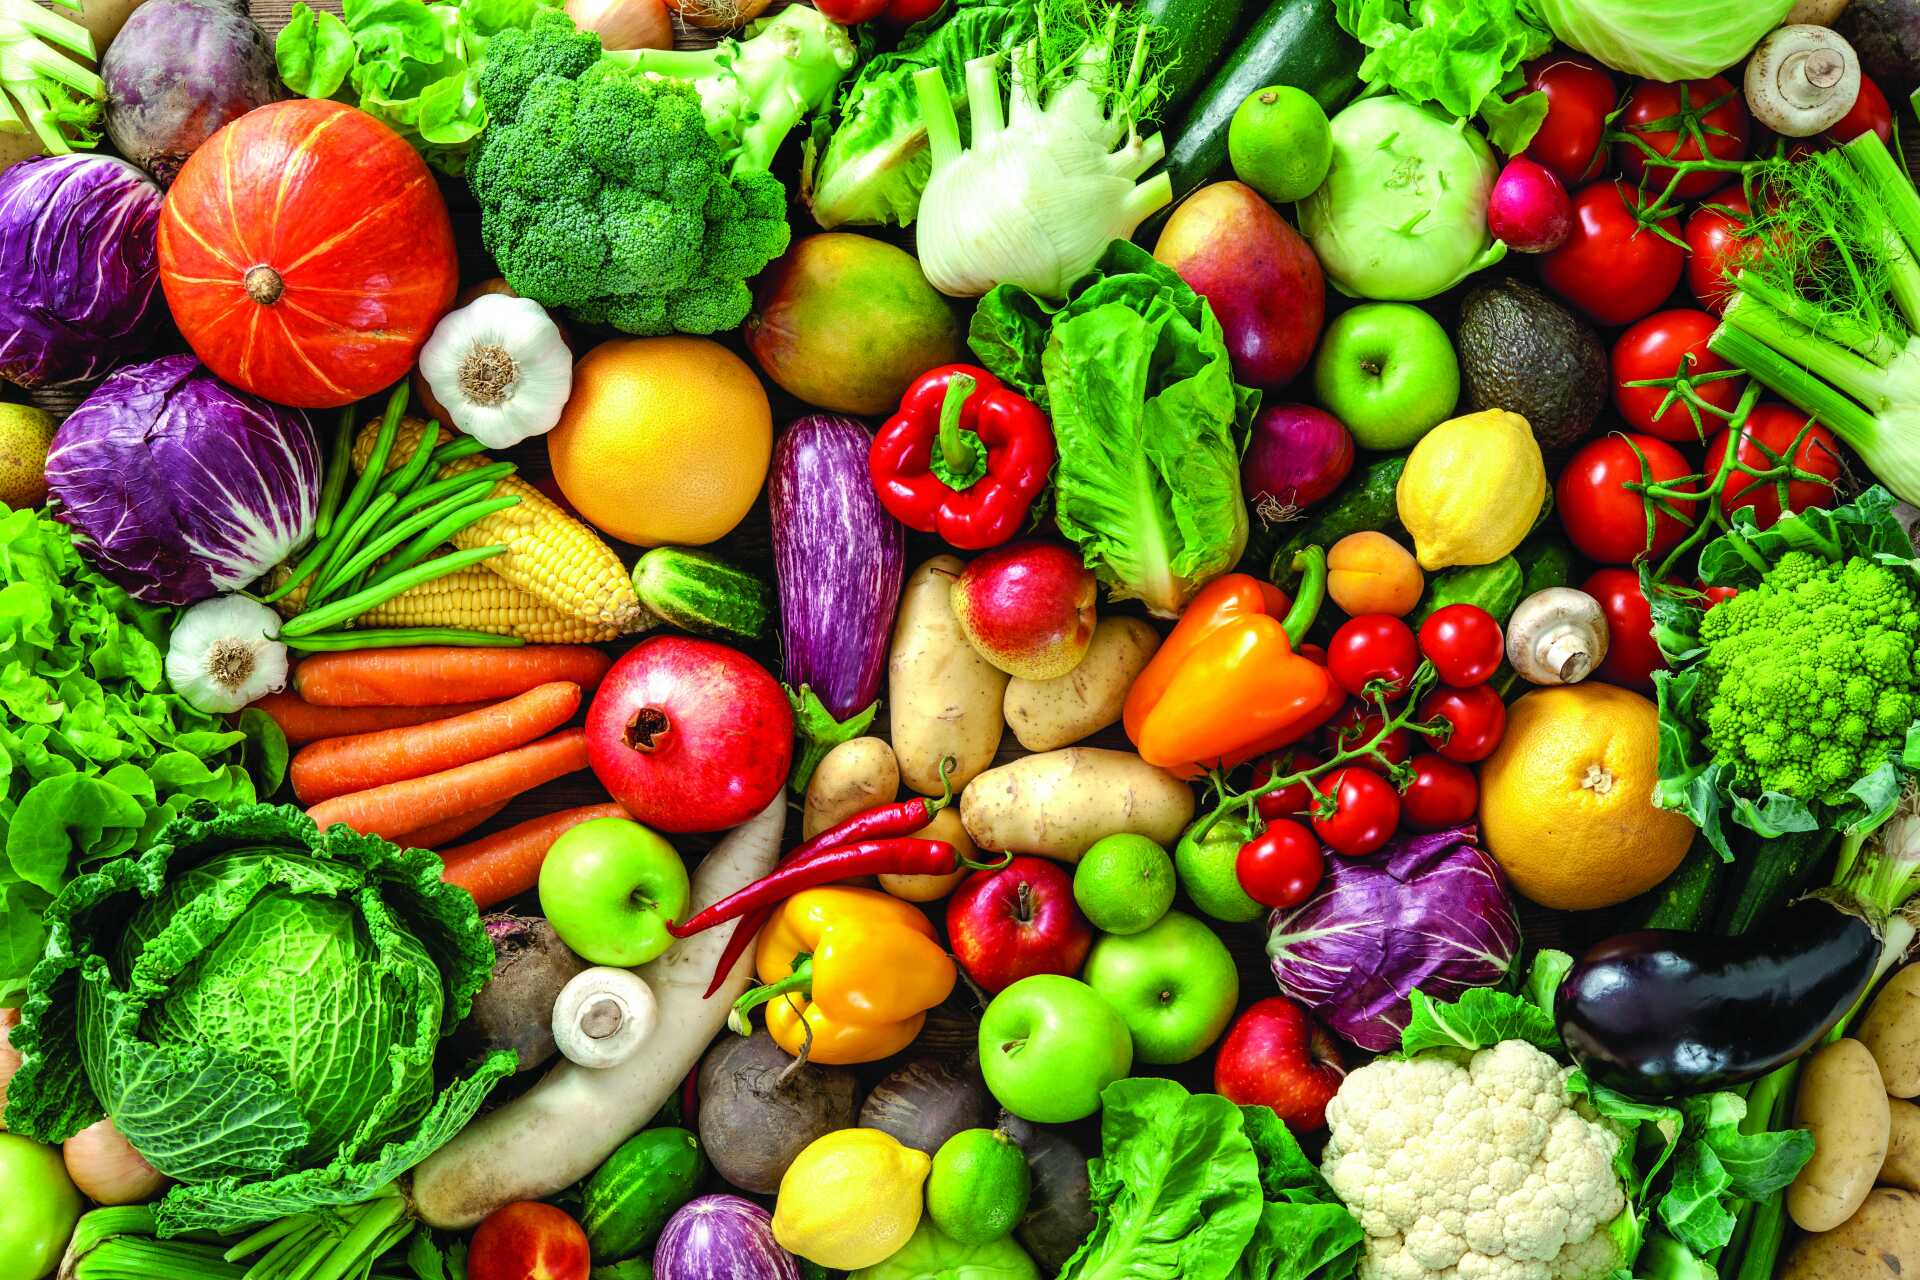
(1523, 352)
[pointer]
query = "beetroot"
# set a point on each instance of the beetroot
(1529, 209)
(177, 72)
(1298, 456)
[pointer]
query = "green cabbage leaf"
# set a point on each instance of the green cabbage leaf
(1662, 41)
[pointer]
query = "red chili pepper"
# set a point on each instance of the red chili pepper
(964, 458)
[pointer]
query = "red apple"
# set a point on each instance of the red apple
(1027, 608)
(690, 735)
(1021, 920)
(1276, 1056)
(528, 1240)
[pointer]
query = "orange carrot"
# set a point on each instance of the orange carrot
(507, 863)
(342, 765)
(434, 676)
(303, 722)
(399, 807)
(452, 829)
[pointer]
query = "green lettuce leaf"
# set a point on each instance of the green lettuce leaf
(1464, 56)
(1484, 1016)
(1304, 1230)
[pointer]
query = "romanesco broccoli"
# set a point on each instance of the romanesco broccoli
(1808, 679)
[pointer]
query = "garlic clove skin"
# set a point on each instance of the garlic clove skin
(500, 367)
(225, 653)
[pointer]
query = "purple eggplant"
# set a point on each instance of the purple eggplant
(721, 1238)
(840, 559)
(178, 72)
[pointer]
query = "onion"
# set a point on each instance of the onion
(719, 15)
(1298, 456)
(9, 1060)
(107, 1169)
(624, 24)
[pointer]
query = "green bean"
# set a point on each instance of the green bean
(455, 449)
(443, 519)
(403, 477)
(416, 551)
(439, 489)
(301, 571)
(398, 638)
(335, 482)
(347, 608)
(358, 497)
(344, 545)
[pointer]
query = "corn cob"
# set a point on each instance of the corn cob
(474, 600)
(550, 556)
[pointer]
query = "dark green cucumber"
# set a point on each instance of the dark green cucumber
(702, 593)
(1494, 587)
(1365, 502)
(630, 1197)
(1546, 559)
(1294, 42)
(1770, 874)
(1684, 900)
(1191, 36)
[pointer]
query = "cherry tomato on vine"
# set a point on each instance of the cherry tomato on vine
(1464, 643)
(1765, 438)
(1611, 267)
(1366, 811)
(1606, 520)
(1869, 111)
(1280, 867)
(1580, 95)
(1673, 119)
(1373, 646)
(1632, 656)
(1291, 799)
(1478, 717)
(1664, 344)
(1356, 726)
(1719, 243)
(1442, 793)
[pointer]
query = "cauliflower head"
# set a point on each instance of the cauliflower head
(1482, 1170)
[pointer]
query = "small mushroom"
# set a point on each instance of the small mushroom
(1557, 636)
(1802, 79)
(602, 1016)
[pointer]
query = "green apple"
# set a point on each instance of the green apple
(1049, 1045)
(1387, 370)
(1173, 983)
(609, 887)
(41, 1208)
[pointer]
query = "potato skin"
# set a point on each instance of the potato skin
(852, 778)
(1902, 1167)
(1058, 803)
(946, 825)
(1048, 714)
(1881, 1241)
(1844, 1104)
(1891, 1031)
(943, 699)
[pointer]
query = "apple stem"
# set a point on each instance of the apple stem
(1023, 908)
(648, 726)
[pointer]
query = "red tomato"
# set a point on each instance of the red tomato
(1580, 97)
(1280, 867)
(1606, 520)
(1373, 646)
(1477, 715)
(1662, 345)
(1464, 643)
(1356, 726)
(852, 12)
(1765, 439)
(1442, 794)
(1659, 115)
(1366, 811)
(1632, 656)
(1869, 111)
(1716, 595)
(1718, 245)
(1291, 799)
(1611, 267)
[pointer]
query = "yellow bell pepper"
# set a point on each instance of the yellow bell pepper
(853, 969)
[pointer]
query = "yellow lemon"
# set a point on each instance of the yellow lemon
(1472, 489)
(851, 1199)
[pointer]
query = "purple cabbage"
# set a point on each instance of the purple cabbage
(180, 487)
(721, 1238)
(1428, 911)
(179, 71)
(78, 267)
(840, 559)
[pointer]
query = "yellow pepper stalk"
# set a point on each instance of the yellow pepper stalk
(849, 974)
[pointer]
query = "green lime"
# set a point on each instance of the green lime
(979, 1186)
(1208, 875)
(1124, 883)
(1280, 143)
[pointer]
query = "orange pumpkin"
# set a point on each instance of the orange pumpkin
(306, 253)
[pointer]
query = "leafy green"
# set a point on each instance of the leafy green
(1484, 1016)
(96, 752)
(1147, 419)
(257, 1004)
(1651, 38)
(1303, 1230)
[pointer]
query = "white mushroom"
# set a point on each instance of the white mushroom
(1801, 80)
(1557, 636)
(602, 1016)
(1822, 13)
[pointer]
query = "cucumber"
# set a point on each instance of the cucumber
(1365, 502)
(1294, 42)
(1494, 587)
(1770, 876)
(703, 594)
(1684, 900)
(1191, 35)
(1547, 561)
(630, 1197)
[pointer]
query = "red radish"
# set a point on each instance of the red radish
(689, 735)
(1529, 209)
(1298, 456)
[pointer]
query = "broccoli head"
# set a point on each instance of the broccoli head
(602, 191)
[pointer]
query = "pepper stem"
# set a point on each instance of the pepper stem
(959, 458)
(801, 980)
(1311, 564)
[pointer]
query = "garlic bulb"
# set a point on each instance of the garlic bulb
(500, 368)
(224, 653)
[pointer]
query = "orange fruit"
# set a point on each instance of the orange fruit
(1566, 800)
(663, 440)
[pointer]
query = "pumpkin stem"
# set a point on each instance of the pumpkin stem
(264, 285)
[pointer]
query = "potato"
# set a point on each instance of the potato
(1048, 714)
(1844, 1104)
(943, 699)
(1902, 1166)
(1058, 803)
(1879, 1242)
(853, 777)
(1891, 1032)
(946, 825)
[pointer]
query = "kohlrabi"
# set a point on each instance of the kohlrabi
(1053, 174)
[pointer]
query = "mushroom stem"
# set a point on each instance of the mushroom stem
(602, 1016)
(1567, 656)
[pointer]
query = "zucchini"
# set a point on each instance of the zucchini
(1365, 502)
(1684, 900)
(1772, 875)
(630, 1197)
(703, 594)
(1191, 36)
(1294, 42)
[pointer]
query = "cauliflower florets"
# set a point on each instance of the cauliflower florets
(1485, 1171)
